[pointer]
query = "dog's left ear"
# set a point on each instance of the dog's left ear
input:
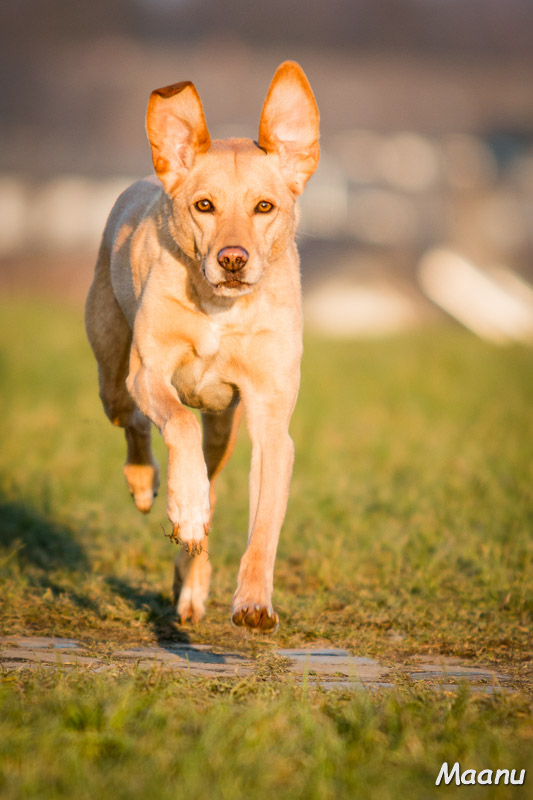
(176, 128)
(289, 125)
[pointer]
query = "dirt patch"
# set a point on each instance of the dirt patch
(329, 668)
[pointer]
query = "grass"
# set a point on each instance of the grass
(408, 532)
(151, 736)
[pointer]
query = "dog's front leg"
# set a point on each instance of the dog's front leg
(272, 461)
(149, 383)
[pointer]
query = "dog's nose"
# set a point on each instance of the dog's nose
(232, 258)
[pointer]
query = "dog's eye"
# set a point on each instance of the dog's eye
(205, 206)
(264, 207)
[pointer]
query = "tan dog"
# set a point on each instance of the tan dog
(196, 301)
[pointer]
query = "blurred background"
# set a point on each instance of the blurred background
(423, 202)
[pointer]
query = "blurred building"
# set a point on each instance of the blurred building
(427, 120)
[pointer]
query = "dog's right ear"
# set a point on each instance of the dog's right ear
(176, 128)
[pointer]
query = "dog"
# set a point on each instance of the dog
(196, 301)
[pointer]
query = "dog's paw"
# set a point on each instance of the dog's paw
(255, 616)
(191, 604)
(191, 586)
(143, 483)
(190, 531)
(192, 542)
(190, 520)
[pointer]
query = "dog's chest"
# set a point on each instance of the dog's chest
(201, 378)
(200, 386)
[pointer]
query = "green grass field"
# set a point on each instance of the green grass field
(408, 532)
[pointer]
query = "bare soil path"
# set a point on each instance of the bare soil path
(328, 668)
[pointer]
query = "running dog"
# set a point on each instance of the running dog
(196, 302)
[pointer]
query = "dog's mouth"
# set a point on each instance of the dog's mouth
(231, 286)
(233, 283)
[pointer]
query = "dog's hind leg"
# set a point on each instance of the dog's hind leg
(110, 338)
(192, 573)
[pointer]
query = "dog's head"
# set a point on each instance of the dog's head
(234, 200)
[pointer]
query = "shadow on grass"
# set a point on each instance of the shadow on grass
(46, 549)
(160, 611)
(42, 546)
(40, 541)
